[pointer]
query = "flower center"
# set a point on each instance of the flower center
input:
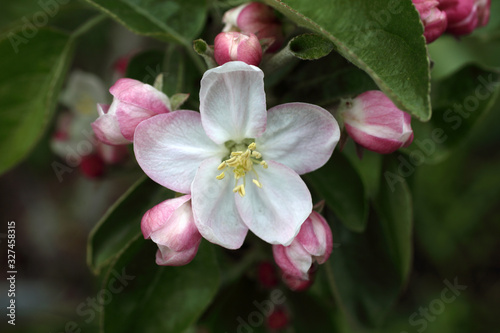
(241, 163)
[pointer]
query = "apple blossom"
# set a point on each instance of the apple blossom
(240, 164)
(255, 18)
(231, 46)
(313, 243)
(433, 19)
(73, 139)
(170, 224)
(133, 102)
(375, 123)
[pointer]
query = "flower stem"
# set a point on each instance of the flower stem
(89, 24)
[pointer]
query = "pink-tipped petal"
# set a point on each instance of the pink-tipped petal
(374, 122)
(107, 130)
(233, 102)
(155, 218)
(170, 147)
(316, 237)
(276, 211)
(299, 135)
(294, 260)
(214, 209)
(129, 116)
(178, 231)
(167, 257)
(141, 95)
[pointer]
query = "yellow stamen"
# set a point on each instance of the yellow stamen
(243, 162)
(240, 189)
(221, 166)
(256, 154)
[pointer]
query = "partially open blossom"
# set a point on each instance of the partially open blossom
(231, 46)
(462, 16)
(240, 163)
(255, 18)
(313, 243)
(434, 20)
(375, 123)
(133, 102)
(170, 225)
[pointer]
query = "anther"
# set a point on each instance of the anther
(221, 166)
(256, 182)
(221, 176)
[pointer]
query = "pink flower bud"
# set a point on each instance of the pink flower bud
(170, 225)
(92, 166)
(312, 243)
(255, 18)
(233, 46)
(278, 319)
(483, 12)
(266, 274)
(375, 123)
(133, 102)
(462, 16)
(299, 284)
(434, 20)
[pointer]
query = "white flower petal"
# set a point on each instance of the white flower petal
(214, 209)
(233, 102)
(299, 135)
(276, 211)
(170, 147)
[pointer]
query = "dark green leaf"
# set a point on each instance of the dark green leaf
(31, 74)
(157, 298)
(382, 37)
(460, 102)
(172, 20)
(310, 46)
(368, 270)
(122, 222)
(340, 185)
(395, 211)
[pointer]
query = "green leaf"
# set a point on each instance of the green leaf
(122, 222)
(157, 298)
(382, 37)
(460, 102)
(171, 20)
(309, 314)
(310, 46)
(368, 270)
(179, 73)
(31, 75)
(146, 66)
(340, 186)
(395, 211)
